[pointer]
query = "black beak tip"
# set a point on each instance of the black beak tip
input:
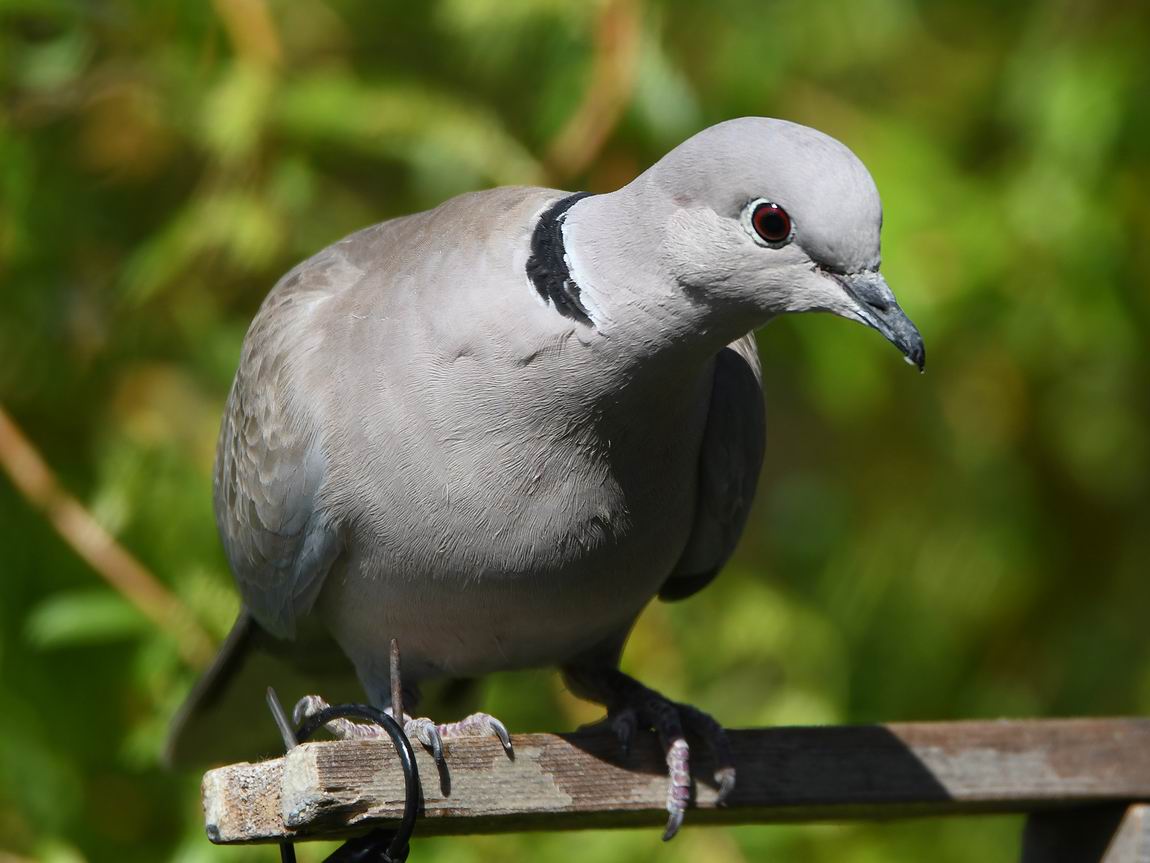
(916, 356)
(908, 339)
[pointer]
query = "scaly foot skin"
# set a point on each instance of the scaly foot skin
(422, 729)
(631, 705)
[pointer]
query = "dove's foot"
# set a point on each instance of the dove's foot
(631, 705)
(476, 725)
(422, 729)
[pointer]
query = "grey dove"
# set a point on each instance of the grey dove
(497, 429)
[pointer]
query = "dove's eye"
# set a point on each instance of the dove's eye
(771, 222)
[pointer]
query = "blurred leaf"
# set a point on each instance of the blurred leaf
(398, 121)
(56, 62)
(235, 113)
(663, 96)
(54, 851)
(84, 617)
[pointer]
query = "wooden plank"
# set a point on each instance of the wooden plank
(571, 781)
(1131, 842)
(243, 800)
(1101, 834)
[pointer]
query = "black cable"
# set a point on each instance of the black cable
(365, 848)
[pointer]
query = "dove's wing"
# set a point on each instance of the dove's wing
(270, 467)
(729, 462)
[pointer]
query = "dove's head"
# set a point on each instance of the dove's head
(768, 217)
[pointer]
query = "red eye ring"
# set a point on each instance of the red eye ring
(771, 222)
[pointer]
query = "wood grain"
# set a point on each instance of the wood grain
(571, 781)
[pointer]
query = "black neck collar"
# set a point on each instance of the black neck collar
(547, 266)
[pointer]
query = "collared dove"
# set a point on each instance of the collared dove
(497, 429)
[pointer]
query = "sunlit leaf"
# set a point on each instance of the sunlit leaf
(84, 617)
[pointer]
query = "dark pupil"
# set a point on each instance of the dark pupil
(772, 225)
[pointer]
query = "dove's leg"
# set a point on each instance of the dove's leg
(631, 705)
(422, 729)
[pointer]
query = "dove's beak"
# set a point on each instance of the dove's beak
(877, 308)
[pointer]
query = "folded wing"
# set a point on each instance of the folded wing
(730, 459)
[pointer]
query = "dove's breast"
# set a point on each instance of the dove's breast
(503, 521)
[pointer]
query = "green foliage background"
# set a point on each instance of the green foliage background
(970, 543)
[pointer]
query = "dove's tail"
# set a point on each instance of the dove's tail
(225, 717)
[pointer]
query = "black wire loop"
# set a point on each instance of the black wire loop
(367, 848)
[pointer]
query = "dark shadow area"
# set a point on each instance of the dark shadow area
(1071, 836)
(853, 766)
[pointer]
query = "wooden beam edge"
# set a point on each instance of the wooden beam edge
(576, 781)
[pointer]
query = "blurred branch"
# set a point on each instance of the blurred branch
(251, 30)
(617, 40)
(35, 480)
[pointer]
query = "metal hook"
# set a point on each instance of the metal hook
(364, 849)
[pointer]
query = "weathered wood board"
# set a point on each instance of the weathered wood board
(571, 781)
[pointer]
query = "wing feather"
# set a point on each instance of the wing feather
(730, 459)
(270, 469)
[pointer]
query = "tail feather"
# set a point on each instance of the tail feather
(225, 717)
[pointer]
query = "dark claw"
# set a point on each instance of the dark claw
(674, 822)
(501, 732)
(436, 746)
(425, 731)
